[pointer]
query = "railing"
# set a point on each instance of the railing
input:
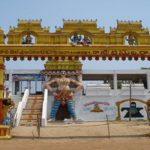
(135, 86)
(97, 89)
(20, 107)
(136, 89)
(44, 108)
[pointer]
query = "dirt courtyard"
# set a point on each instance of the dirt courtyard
(77, 144)
(84, 136)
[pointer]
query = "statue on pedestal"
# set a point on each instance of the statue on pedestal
(63, 95)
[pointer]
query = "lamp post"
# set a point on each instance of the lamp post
(130, 98)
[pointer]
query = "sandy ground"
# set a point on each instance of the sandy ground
(85, 129)
(85, 136)
(77, 144)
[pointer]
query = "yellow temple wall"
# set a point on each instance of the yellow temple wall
(81, 27)
(1, 36)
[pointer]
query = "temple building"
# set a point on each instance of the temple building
(109, 90)
(119, 94)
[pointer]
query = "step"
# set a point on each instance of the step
(34, 107)
(31, 112)
(35, 102)
(29, 117)
(28, 123)
(37, 97)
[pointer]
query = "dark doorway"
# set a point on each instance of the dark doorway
(62, 113)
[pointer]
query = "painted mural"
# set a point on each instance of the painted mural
(90, 108)
(95, 109)
(137, 110)
(96, 106)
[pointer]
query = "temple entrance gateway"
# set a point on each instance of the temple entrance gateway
(77, 39)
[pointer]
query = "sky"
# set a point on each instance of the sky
(52, 12)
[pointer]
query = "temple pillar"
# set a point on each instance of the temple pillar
(2, 68)
(115, 82)
(148, 81)
(80, 79)
(10, 85)
(35, 86)
(29, 86)
(16, 87)
(13, 87)
(21, 87)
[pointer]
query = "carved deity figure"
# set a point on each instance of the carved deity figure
(131, 39)
(28, 39)
(86, 40)
(76, 38)
(63, 95)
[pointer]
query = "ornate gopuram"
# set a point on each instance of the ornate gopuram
(122, 95)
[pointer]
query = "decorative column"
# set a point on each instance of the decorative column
(81, 79)
(10, 85)
(148, 81)
(20, 87)
(29, 86)
(16, 87)
(13, 87)
(2, 68)
(35, 86)
(115, 82)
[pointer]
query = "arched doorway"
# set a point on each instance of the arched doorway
(62, 113)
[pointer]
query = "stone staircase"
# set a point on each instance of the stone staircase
(33, 111)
